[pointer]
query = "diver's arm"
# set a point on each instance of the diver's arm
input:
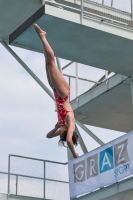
(54, 132)
(71, 128)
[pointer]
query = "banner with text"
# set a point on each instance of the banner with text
(101, 167)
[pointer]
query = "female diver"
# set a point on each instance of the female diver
(66, 122)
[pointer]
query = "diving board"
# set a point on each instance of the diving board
(122, 190)
(14, 13)
(108, 105)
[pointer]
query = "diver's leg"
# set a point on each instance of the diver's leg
(49, 79)
(56, 77)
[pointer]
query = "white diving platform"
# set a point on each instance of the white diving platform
(108, 105)
(122, 190)
(18, 197)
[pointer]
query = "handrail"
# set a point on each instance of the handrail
(37, 159)
(12, 174)
(83, 79)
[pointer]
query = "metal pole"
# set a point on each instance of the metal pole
(28, 70)
(83, 79)
(106, 74)
(90, 133)
(67, 65)
(131, 10)
(81, 15)
(36, 159)
(102, 2)
(8, 177)
(44, 180)
(76, 80)
(111, 3)
(16, 184)
(82, 144)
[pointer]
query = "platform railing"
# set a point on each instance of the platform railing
(3, 182)
(77, 78)
(37, 178)
(102, 12)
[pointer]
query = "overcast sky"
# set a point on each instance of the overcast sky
(27, 112)
(124, 5)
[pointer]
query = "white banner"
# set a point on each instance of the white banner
(101, 167)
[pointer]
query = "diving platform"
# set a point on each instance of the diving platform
(122, 190)
(107, 105)
(18, 197)
(101, 37)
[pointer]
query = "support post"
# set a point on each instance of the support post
(81, 15)
(16, 184)
(81, 142)
(102, 2)
(76, 80)
(8, 177)
(90, 133)
(111, 3)
(131, 10)
(28, 70)
(106, 74)
(44, 181)
(59, 64)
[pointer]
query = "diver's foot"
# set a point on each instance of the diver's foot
(39, 31)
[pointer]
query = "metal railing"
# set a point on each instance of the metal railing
(101, 11)
(36, 178)
(77, 78)
(3, 182)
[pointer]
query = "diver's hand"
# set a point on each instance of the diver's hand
(58, 124)
(76, 155)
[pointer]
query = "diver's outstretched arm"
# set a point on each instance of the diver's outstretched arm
(71, 128)
(54, 132)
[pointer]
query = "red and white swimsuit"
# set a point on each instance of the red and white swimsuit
(61, 112)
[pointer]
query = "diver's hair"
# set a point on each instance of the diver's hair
(62, 140)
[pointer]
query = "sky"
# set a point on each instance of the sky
(27, 113)
(124, 5)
